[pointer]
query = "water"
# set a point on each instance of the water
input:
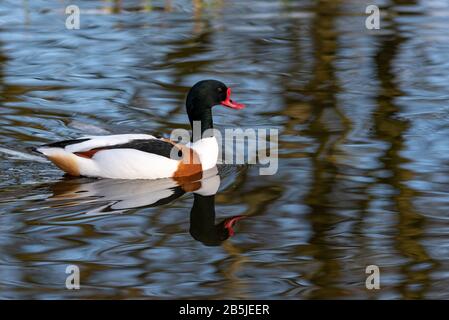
(363, 151)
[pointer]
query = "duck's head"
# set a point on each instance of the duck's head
(203, 96)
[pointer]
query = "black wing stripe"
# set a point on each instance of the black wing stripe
(155, 146)
(65, 143)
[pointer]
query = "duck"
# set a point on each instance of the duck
(144, 156)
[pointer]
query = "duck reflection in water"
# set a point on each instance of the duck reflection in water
(123, 195)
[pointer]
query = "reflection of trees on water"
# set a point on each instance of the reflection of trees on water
(323, 89)
(314, 104)
(321, 109)
(391, 129)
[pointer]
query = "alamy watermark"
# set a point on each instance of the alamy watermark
(373, 280)
(72, 22)
(72, 282)
(372, 22)
(238, 146)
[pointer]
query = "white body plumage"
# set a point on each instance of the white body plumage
(126, 163)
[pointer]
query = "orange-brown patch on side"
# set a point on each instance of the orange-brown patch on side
(66, 163)
(87, 154)
(189, 166)
(189, 169)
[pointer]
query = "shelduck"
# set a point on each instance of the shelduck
(143, 156)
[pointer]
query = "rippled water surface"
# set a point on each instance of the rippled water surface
(363, 150)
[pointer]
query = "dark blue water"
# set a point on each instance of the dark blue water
(363, 151)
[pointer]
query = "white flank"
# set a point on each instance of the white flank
(131, 164)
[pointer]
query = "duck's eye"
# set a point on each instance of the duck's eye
(220, 90)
